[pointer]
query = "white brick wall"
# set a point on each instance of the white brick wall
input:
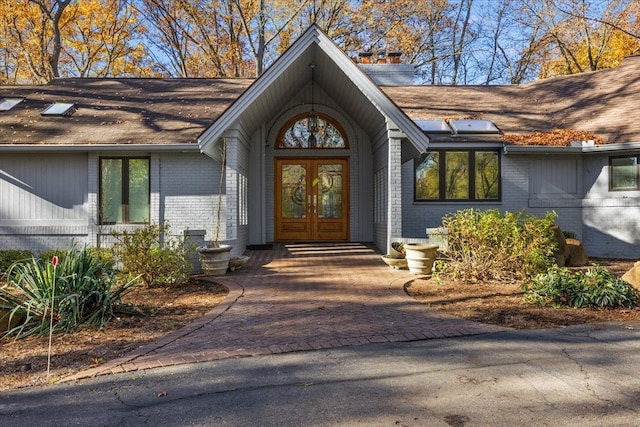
(188, 187)
(394, 192)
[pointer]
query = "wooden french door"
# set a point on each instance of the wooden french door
(312, 200)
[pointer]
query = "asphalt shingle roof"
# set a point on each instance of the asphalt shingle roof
(606, 103)
(174, 111)
(118, 111)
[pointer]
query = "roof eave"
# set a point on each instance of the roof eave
(192, 147)
(605, 148)
(544, 149)
(541, 149)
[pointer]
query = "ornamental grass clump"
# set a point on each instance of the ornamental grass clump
(86, 294)
(595, 288)
(489, 245)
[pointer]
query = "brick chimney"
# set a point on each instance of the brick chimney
(386, 68)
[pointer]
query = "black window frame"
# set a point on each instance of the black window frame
(125, 190)
(442, 153)
(611, 159)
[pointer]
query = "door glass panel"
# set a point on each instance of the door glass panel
(329, 191)
(294, 191)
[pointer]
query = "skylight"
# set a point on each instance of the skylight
(58, 109)
(433, 126)
(473, 126)
(7, 104)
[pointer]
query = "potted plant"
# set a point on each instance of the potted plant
(397, 250)
(396, 256)
(214, 258)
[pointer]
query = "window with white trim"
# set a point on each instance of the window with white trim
(624, 173)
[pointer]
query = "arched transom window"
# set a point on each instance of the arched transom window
(296, 134)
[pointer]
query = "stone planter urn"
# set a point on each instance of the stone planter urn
(214, 259)
(420, 257)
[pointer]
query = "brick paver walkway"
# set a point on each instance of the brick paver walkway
(301, 297)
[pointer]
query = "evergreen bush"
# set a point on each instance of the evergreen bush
(151, 254)
(595, 288)
(10, 256)
(489, 245)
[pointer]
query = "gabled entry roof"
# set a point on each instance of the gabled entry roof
(334, 72)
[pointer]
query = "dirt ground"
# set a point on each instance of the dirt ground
(501, 303)
(23, 363)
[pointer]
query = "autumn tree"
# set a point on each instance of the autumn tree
(586, 36)
(420, 30)
(32, 43)
(45, 39)
(100, 40)
(169, 34)
(201, 38)
(511, 36)
(448, 41)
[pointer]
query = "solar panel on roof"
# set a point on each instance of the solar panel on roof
(473, 126)
(7, 104)
(433, 126)
(58, 109)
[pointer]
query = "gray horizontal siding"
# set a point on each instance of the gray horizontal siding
(43, 189)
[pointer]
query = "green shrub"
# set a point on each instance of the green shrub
(8, 257)
(156, 263)
(595, 288)
(105, 255)
(569, 234)
(86, 293)
(488, 245)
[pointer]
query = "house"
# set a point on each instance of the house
(316, 150)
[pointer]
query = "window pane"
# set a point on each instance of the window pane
(486, 175)
(624, 173)
(328, 135)
(428, 177)
(457, 175)
(111, 190)
(138, 190)
(297, 135)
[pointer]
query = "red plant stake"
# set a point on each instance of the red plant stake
(54, 262)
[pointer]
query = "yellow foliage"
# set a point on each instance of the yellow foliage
(96, 40)
(579, 44)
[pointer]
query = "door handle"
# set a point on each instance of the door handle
(315, 204)
(309, 204)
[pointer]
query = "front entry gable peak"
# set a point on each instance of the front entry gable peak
(288, 74)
